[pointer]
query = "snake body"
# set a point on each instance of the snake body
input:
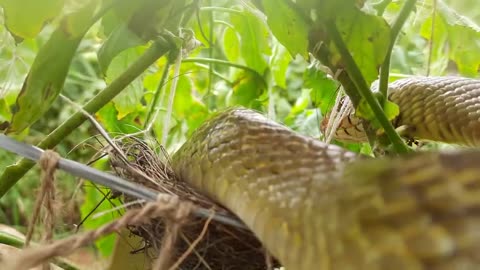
(318, 206)
(445, 109)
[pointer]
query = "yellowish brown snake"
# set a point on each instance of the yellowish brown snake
(318, 206)
(445, 109)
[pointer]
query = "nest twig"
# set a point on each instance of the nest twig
(223, 246)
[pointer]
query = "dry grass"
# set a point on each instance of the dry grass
(221, 247)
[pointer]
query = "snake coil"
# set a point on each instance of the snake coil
(318, 206)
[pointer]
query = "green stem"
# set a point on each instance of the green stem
(157, 94)
(14, 172)
(210, 98)
(220, 62)
(362, 87)
(397, 26)
(14, 241)
(381, 6)
(215, 73)
(222, 9)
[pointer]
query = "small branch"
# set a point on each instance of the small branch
(362, 87)
(397, 26)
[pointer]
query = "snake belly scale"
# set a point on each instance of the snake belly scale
(318, 206)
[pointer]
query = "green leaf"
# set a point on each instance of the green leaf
(279, 64)
(254, 43)
(324, 89)
(133, 23)
(288, 26)
(367, 38)
(128, 100)
(26, 18)
(119, 40)
(187, 106)
(108, 116)
(248, 88)
(231, 44)
(300, 106)
(437, 49)
(47, 75)
(464, 40)
(363, 110)
(464, 49)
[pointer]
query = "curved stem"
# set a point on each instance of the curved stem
(222, 9)
(220, 62)
(362, 87)
(397, 26)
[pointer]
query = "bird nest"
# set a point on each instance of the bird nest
(221, 246)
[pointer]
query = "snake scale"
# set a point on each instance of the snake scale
(318, 206)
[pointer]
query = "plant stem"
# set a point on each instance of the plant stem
(14, 241)
(220, 62)
(161, 83)
(397, 26)
(362, 87)
(221, 9)
(210, 98)
(14, 172)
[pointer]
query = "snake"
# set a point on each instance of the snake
(318, 206)
(444, 109)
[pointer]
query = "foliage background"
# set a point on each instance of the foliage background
(257, 72)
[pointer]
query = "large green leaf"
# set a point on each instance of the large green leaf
(128, 100)
(108, 116)
(436, 52)
(231, 44)
(464, 40)
(254, 43)
(279, 64)
(288, 26)
(26, 18)
(45, 79)
(187, 107)
(367, 37)
(119, 40)
(133, 23)
(454, 36)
